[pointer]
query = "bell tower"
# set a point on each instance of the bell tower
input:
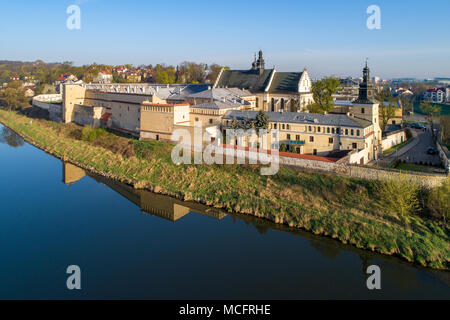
(366, 107)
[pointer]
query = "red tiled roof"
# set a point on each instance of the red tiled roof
(106, 116)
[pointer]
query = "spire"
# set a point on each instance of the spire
(365, 88)
(255, 63)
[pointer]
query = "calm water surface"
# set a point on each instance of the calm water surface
(139, 245)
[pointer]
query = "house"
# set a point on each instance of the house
(29, 92)
(103, 76)
(275, 91)
(436, 95)
(64, 78)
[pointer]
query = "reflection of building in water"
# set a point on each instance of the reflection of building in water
(161, 206)
(71, 173)
(154, 204)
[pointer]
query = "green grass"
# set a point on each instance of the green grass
(445, 108)
(346, 209)
(90, 134)
(416, 167)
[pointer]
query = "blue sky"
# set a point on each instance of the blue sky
(328, 37)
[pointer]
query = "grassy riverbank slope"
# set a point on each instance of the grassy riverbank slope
(348, 210)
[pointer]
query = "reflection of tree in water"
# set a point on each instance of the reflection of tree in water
(327, 248)
(11, 138)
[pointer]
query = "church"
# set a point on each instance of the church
(275, 91)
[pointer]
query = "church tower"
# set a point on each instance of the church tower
(366, 107)
(259, 65)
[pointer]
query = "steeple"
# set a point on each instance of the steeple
(261, 63)
(255, 63)
(365, 88)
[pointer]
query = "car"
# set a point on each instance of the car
(431, 150)
(417, 126)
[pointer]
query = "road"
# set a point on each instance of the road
(419, 153)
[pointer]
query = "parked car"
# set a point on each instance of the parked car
(431, 150)
(417, 126)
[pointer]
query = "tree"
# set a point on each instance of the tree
(261, 121)
(215, 71)
(323, 91)
(13, 95)
(387, 112)
(438, 201)
(387, 107)
(11, 138)
(399, 195)
(164, 74)
(431, 111)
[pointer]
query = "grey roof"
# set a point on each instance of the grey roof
(218, 105)
(339, 120)
(251, 80)
(285, 82)
(220, 93)
(180, 93)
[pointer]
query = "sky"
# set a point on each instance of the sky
(328, 37)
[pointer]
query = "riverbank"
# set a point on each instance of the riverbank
(348, 210)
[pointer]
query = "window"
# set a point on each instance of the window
(330, 140)
(311, 139)
(210, 121)
(288, 137)
(309, 128)
(318, 129)
(358, 133)
(354, 145)
(196, 119)
(288, 127)
(338, 130)
(352, 132)
(332, 130)
(297, 137)
(328, 130)
(363, 110)
(346, 132)
(283, 126)
(274, 125)
(315, 152)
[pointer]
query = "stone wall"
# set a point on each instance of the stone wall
(343, 167)
(444, 154)
(427, 180)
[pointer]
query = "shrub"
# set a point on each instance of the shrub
(399, 195)
(438, 201)
(90, 134)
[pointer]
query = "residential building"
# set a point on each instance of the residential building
(436, 95)
(103, 76)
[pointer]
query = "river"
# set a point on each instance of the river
(138, 245)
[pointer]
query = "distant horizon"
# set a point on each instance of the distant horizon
(154, 64)
(326, 37)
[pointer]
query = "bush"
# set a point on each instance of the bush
(438, 201)
(408, 134)
(399, 195)
(90, 134)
